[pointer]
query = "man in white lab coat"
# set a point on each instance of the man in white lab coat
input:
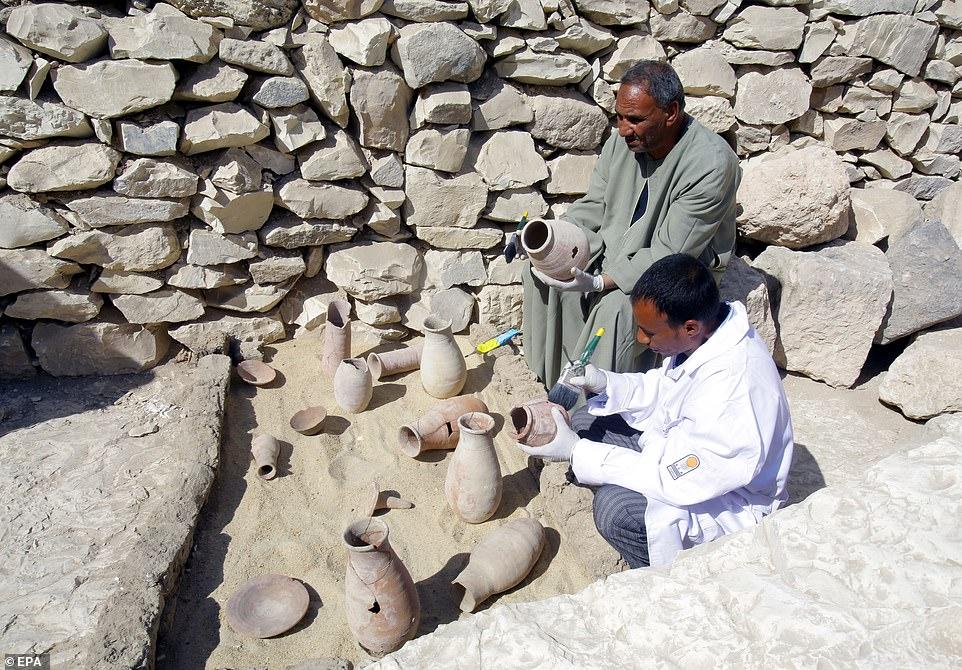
(696, 449)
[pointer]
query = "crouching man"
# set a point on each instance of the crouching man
(691, 451)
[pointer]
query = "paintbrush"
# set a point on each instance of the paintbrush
(511, 248)
(562, 393)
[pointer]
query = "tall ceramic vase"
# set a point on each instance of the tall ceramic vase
(443, 370)
(353, 386)
(394, 362)
(501, 560)
(473, 482)
(265, 450)
(533, 424)
(382, 606)
(438, 428)
(554, 247)
(337, 336)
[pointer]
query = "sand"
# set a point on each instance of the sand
(293, 525)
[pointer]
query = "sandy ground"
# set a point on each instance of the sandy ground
(293, 525)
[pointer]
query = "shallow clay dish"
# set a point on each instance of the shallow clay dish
(257, 373)
(308, 420)
(267, 606)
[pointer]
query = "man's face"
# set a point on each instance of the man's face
(641, 123)
(653, 330)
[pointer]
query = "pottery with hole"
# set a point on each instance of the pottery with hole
(353, 386)
(438, 428)
(473, 484)
(533, 425)
(257, 373)
(395, 362)
(267, 606)
(309, 420)
(337, 336)
(555, 246)
(443, 370)
(265, 449)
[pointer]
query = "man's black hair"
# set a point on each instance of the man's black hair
(659, 80)
(681, 288)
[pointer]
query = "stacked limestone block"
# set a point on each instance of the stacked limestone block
(204, 171)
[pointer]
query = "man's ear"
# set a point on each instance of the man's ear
(693, 328)
(674, 113)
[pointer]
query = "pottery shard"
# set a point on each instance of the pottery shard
(219, 127)
(15, 62)
(773, 98)
(451, 268)
(333, 11)
(628, 52)
(139, 249)
(106, 208)
(831, 303)
(24, 221)
(26, 269)
(326, 78)
(338, 156)
(157, 139)
(614, 12)
(705, 72)
(499, 307)
(377, 270)
(14, 359)
(258, 14)
(364, 42)
(150, 178)
(64, 168)
(57, 30)
(531, 67)
(433, 52)
(683, 27)
(319, 200)
(565, 119)
(29, 120)
(924, 380)
(167, 305)
(897, 40)
(507, 107)
(255, 56)
(880, 213)
(110, 88)
(442, 150)
(97, 348)
(206, 247)
(795, 200)
(927, 269)
(776, 28)
(165, 33)
(381, 99)
(290, 231)
(712, 111)
(435, 200)
(508, 159)
(212, 82)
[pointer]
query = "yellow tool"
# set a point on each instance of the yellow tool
(497, 341)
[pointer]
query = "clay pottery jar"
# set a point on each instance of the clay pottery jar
(438, 428)
(381, 603)
(309, 420)
(473, 482)
(500, 561)
(353, 386)
(533, 424)
(443, 370)
(257, 373)
(394, 362)
(554, 247)
(267, 606)
(337, 336)
(265, 450)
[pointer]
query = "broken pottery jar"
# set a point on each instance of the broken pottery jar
(438, 428)
(381, 603)
(337, 336)
(554, 247)
(353, 386)
(265, 450)
(394, 362)
(443, 370)
(533, 423)
(500, 561)
(473, 482)
(378, 500)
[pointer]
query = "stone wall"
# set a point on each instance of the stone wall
(212, 171)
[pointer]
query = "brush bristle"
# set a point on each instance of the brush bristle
(564, 395)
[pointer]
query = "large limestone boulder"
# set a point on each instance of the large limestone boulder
(926, 379)
(230, 212)
(363, 42)
(334, 11)
(830, 304)
(151, 178)
(247, 298)
(452, 237)
(903, 132)
(152, 139)
(29, 120)
(138, 249)
(570, 174)
(705, 72)
(97, 348)
(290, 231)
(275, 267)
(585, 38)
(24, 221)
(453, 304)
(275, 92)
(106, 208)
(776, 28)
(509, 205)
(452, 268)
(434, 52)
(773, 98)
(206, 335)
(255, 56)
(118, 281)
(712, 111)
(927, 269)
(508, 159)
(506, 107)
(565, 119)
(376, 270)
(219, 127)
(14, 359)
(64, 167)
(74, 306)
(845, 134)
(26, 269)
(338, 156)
(795, 200)
(445, 103)
(947, 208)
(442, 150)
(215, 81)
(381, 99)
(167, 305)
(837, 69)
(897, 40)
(880, 213)
(682, 27)
(614, 12)
(326, 78)
(57, 30)
(499, 307)
(296, 127)
(109, 88)
(532, 67)
(319, 200)
(747, 285)
(15, 62)
(435, 200)
(183, 275)
(629, 51)
(165, 33)
(258, 14)
(206, 247)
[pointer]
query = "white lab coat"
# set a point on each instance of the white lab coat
(717, 441)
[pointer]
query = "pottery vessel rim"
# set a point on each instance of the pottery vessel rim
(409, 440)
(358, 364)
(435, 324)
(535, 225)
(514, 414)
(340, 308)
(486, 419)
(287, 591)
(359, 527)
(302, 415)
(255, 372)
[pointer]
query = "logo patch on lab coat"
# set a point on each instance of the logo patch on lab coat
(683, 466)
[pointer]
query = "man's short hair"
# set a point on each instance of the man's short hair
(681, 288)
(659, 80)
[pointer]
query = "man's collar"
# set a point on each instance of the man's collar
(729, 333)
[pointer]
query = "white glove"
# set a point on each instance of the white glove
(581, 281)
(594, 380)
(560, 448)
(519, 253)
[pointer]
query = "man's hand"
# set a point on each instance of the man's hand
(581, 281)
(593, 380)
(560, 448)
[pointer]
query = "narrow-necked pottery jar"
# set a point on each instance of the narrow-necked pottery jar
(533, 424)
(555, 246)
(473, 482)
(443, 370)
(265, 450)
(353, 386)
(438, 428)
(337, 336)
